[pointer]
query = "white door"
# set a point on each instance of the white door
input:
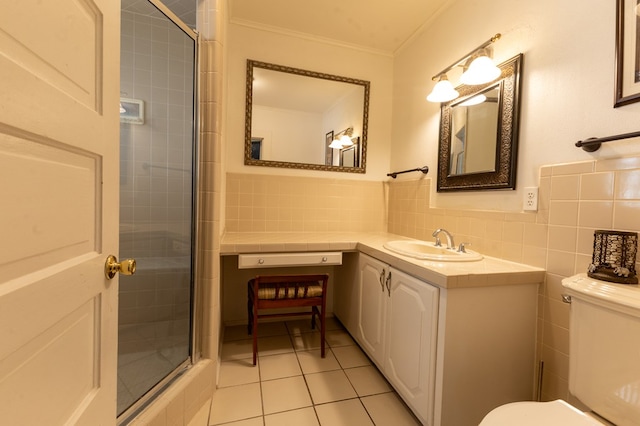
(412, 325)
(372, 307)
(59, 90)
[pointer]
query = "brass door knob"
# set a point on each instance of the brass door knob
(112, 267)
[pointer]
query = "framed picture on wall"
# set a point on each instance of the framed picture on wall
(627, 84)
(328, 152)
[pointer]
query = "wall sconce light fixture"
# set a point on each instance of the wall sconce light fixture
(443, 91)
(478, 69)
(342, 139)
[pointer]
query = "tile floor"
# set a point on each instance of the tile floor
(293, 385)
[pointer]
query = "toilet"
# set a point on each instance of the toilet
(604, 361)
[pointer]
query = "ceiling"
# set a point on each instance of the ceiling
(380, 25)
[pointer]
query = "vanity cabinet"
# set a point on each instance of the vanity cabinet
(397, 328)
(452, 354)
(455, 340)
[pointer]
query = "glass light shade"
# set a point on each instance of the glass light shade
(345, 140)
(482, 70)
(478, 99)
(443, 91)
(335, 144)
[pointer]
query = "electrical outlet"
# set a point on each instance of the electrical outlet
(530, 202)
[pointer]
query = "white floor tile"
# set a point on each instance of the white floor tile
(307, 341)
(388, 410)
(332, 323)
(256, 421)
(367, 380)
(312, 362)
(343, 413)
(235, 403)
(300, 326)
(238, 372)
(329, 386)
(274, 345)
(302, 417)
(346, 388)
(279, 366)
(350, 356)
(266, 329)
(285, 394)
(237, 349)
(338, 338)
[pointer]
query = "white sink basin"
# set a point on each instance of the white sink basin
(428, 251)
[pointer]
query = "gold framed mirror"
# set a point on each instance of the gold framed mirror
(478, 146)
(293, 115)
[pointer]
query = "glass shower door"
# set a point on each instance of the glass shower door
(156, 200)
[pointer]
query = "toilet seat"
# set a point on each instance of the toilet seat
(528, 413)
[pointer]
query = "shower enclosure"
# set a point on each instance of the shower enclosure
(157, 160)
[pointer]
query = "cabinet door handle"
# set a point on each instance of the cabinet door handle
(382, 274)
(388, 280)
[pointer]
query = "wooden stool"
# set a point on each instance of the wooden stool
(287, 291)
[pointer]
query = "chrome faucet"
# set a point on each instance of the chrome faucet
(450, 244)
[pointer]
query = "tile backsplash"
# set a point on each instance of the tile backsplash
(266, 203)
(574, 200)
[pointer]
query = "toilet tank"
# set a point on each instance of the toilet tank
(604, 345)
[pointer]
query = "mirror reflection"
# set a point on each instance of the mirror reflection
(303, 119)
(474, 133)
(479, 134)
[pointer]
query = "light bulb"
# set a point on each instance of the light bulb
(345, 140)
(443, 91)
(335, 144)
(482, 70)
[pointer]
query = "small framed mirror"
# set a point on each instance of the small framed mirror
(478, 146)
(298, 118)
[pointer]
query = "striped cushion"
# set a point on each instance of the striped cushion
(291, 291)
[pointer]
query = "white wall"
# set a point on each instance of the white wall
(283, 132)
(567, 86)
(250, 43)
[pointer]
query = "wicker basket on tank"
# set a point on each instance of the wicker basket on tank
(614, 257)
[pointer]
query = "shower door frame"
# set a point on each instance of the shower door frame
(195, 348)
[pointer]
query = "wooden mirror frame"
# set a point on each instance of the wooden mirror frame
(248, 160)
(504, 175)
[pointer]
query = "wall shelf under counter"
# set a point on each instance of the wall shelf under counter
(276, 260)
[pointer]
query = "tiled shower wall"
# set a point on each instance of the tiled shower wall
(156, 164)
(574, 200)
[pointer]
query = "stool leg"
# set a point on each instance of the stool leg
(255, 331)
(249, 315)
(322, 332)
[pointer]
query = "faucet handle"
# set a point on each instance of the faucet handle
(461, 247)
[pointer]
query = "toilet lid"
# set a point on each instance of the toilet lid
(553, 413)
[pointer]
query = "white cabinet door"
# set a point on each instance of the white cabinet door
(372, 307)
(412, 320)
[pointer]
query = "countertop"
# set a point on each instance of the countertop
(489, 271)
